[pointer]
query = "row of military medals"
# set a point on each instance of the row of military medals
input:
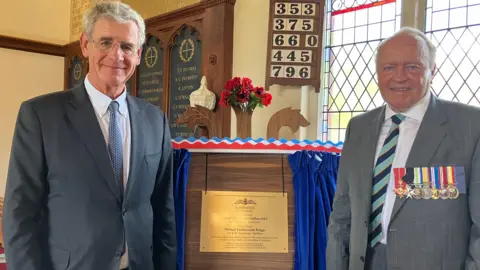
(428, 183)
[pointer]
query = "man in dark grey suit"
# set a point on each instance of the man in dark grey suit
(408, 188)
(90, 178)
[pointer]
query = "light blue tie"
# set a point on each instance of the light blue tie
(381, 177)
(115, 145)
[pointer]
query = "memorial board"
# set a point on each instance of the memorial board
(185, 77)
(150, 72)
(76, 73)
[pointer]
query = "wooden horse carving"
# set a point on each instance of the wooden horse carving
(285, 117)
(201, 116)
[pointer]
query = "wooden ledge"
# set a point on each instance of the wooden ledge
(31, 46)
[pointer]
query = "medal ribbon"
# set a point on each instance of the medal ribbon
(444, 177)
(399, 173)
(450, 177)
(436, 177)
(425, 177)
(417, 177)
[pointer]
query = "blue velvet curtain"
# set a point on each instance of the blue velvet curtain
(181, 166)
(314, 181)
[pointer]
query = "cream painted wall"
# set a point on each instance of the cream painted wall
(24, 76)
(249, 60)
(39, 20)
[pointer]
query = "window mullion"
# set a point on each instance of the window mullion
(413, 13)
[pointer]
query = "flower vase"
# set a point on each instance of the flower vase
(244, 123)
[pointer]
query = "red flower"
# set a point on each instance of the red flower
(229, 86)
(243, 95)
(266, 99)
(240, 92)
(225, 99)
(247, 83)
(259, 91)
(236, 82)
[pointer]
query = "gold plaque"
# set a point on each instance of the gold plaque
(244, 222)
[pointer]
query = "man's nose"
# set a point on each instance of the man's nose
(400, 74)
(116, 52)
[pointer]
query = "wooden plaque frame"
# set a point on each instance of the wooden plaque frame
(295, 35)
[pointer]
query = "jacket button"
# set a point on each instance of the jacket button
(362, 259)
(118, 254)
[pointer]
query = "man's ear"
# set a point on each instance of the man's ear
(139, 56)
(434, 69)
(84, 44)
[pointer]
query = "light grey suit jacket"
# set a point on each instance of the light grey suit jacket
(423, 234)
(62, 206)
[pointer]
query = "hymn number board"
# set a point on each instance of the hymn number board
(295, 43)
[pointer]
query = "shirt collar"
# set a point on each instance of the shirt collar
(415, 112)
(100, 101)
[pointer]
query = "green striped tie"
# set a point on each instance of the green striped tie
(381, 177)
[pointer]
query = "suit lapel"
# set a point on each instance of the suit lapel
(430, 134)
(367, 158)
(137, 142)
(84, 121)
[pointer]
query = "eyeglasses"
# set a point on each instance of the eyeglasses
(106, 45)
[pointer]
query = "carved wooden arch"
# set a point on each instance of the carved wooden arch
(285, 117)
(149, 35)
(157, 40)
(194, 27)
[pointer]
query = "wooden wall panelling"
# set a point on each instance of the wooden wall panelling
(236, 172)
(218, 52)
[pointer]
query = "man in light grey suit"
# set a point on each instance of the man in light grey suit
(408, 187)
(90, 177)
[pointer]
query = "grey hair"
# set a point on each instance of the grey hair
(114, 10)
(428, 51)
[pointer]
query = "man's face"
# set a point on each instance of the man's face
(403, 78)
(112, 53)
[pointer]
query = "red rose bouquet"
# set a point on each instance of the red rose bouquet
(241, 94)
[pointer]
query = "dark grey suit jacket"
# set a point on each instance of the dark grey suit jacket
(423, 234)
(62, 207)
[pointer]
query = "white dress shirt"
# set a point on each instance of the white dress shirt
(100, 104)
(408, 132)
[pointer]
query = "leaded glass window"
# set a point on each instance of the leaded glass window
(454, 27)
(354, 28)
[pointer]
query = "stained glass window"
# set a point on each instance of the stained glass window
(354, 28)
(454, 27)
